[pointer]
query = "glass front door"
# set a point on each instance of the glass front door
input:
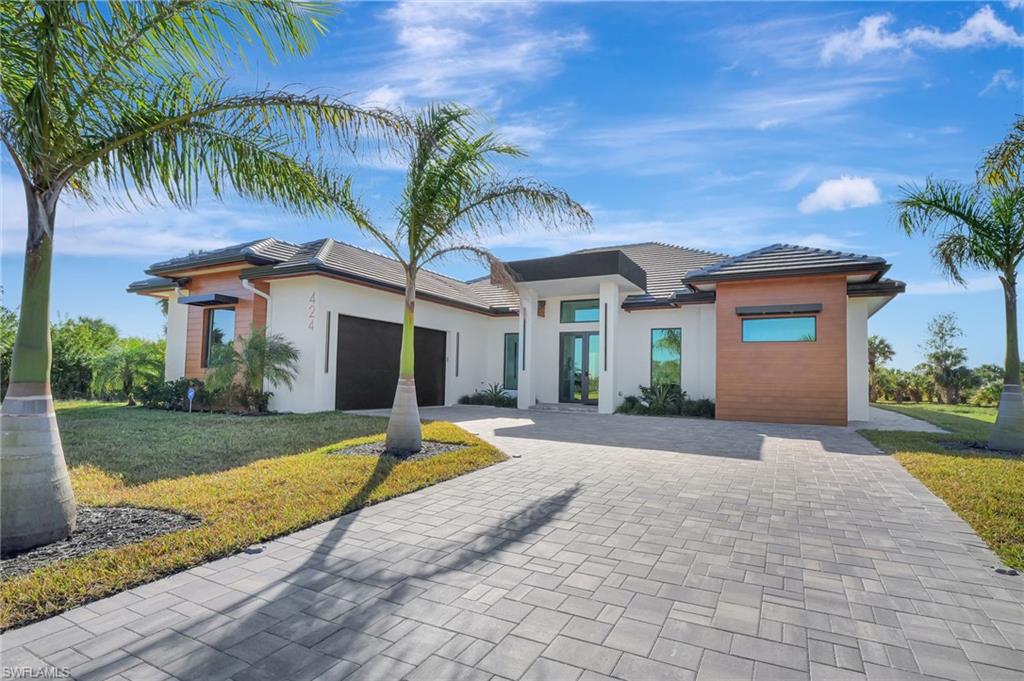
(579, 367)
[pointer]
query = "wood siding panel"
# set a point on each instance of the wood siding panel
(783, 382)
(251, 311)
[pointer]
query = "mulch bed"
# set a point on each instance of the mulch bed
(99, 527)
(430, 448)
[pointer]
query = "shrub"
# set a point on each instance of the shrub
(239, 369)
(493, 395)
(126, 367)
(173, 395)
(988, 395)
(631, 405)
(666, 400)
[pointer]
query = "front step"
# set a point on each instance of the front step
(566, 407)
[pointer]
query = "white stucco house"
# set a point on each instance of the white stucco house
(778, 334)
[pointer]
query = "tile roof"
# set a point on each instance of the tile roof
(667, 267)
(785, 259)
(152, 284)
(335, 257)
(259, 251)
(665, 264)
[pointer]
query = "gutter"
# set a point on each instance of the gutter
(248, 285)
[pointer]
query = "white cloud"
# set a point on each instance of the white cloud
(869, 37)
(1003, 78)
(979, 284)
(1015, 4)
(872, 35)
(840, 194)
(470, 52)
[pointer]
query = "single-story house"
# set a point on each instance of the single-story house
(778, 334)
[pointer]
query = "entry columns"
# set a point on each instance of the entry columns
(609, 320)
(527, 391)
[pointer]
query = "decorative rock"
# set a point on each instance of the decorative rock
(98, 528)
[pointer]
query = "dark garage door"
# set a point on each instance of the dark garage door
(368, 353)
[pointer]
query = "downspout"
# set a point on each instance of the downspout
(246, 284)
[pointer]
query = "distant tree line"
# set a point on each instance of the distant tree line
(91, 360)
(942, 377)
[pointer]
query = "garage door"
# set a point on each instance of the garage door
(368, 354)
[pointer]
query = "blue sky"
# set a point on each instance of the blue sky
(719, 126)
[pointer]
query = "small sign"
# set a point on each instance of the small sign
(191, 396)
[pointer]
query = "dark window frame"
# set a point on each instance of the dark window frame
(504, 361)
(650, 355)
(745, 320)
(562, 315)
(208, 327)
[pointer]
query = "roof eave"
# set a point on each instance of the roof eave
(777, 274)
(276, 272)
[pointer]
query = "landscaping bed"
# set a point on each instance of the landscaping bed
(99, 528)
(430, 448)
(232, 481)
(985, 487)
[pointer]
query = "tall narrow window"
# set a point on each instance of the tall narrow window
(510, 375)
(220, 331)
(666, 356)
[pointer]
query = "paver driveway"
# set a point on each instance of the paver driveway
(629, 547)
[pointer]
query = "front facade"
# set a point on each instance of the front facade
(779, 334)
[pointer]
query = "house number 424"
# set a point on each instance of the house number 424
(312, 310)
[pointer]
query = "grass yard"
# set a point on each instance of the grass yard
(248, 478)
(985, 488)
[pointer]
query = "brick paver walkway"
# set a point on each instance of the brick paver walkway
(625, 547)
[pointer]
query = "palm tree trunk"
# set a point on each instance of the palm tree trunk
(1008, 433)
(37, 505)
(404, 435)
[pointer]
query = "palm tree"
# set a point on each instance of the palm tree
(454, 195)
(980, 225)
(252, 359)
(880, 352)
(125, 366)
(127, 97)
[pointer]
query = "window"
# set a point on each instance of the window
(579, 311)
(510, 375)
(220, 331)
(780, 329)
(666, 356)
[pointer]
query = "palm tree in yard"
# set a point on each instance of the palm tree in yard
(982, 226)
(249, 361)
(453, 196)
(128, 98)
(126, 366)
(880, 352)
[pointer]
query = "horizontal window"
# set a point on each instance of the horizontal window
(666, 353)
(579, 311)
(780, 330)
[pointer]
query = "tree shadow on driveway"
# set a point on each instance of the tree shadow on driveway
(298, 622)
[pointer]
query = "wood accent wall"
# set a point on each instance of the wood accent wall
(250, 311)
(800, 382)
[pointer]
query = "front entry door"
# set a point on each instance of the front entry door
(579, 367)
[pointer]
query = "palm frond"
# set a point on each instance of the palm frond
(957, 215)
(1004, 163)
(500, 275)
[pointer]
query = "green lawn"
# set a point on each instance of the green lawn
(985, 488)
(248, 478)
(143, 445)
